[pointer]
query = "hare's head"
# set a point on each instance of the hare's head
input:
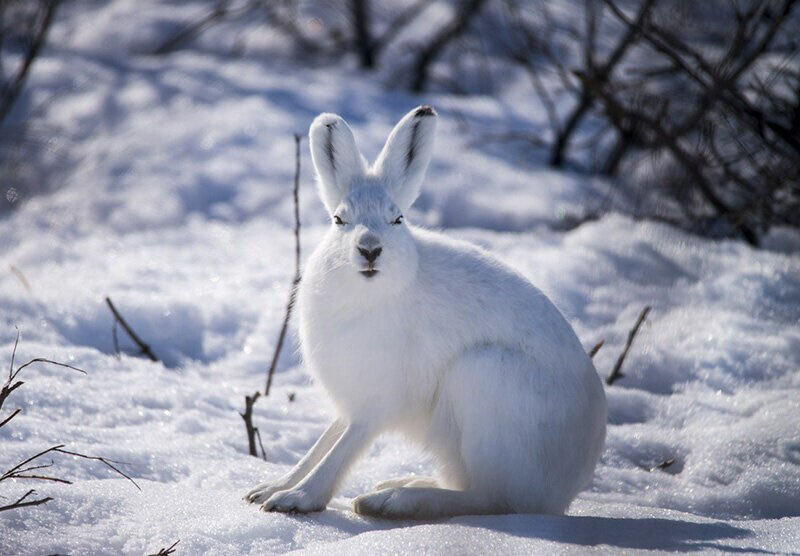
(369, 239)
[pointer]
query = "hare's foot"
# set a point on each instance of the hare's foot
(264, 491)
(295, 500)
(408, 482)
(421, 503)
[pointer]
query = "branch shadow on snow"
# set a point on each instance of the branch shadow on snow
(631, 533)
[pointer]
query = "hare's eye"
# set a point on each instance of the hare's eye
(338, 221)
(398, 220)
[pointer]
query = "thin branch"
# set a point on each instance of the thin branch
(43, 478)
(296, 280)
(36, 467)
(508, 136)
(454, 28)
(21, 504)
(11, 91)
(143, 347)
(398, 24)
(616, 372)
(618, 114)
(193, 29)
(166, 551)
(6, 390)
(364, 43)
(289, 26)
(664, 464)
(261, 445)
(8, 387)
(13, 356)
(107, 462)
(19, 470)
(596, 348)
(50, 361)
(8, 419)
(541, 91)
(24, 470)
(248, 422)
(716, 83)
(10, 473)
(249, 401)
(600, 74)
(115, 338)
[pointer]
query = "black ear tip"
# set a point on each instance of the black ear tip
(424, 110)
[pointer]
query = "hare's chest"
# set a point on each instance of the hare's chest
(366, 361)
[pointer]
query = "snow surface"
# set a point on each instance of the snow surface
(175, 201)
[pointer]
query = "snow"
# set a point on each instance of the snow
(174, 200)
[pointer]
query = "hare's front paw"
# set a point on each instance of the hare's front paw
(263, 492)
(294, 500)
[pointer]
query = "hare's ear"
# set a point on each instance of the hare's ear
(405, 157)
(336, 158)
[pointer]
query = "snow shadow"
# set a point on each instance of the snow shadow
(619, 532)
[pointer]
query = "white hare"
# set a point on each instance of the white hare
(410, 330)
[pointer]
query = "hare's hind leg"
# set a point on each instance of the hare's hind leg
(423, 503)
(517, 442)
(411, 482)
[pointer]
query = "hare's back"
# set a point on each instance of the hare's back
(469, 293)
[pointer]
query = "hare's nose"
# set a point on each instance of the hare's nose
(370, 254)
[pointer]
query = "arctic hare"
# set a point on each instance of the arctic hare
(411, 330)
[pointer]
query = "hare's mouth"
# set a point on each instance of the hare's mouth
(369, 273)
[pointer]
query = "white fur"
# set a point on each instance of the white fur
(444, 343)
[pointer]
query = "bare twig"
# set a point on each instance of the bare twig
(289, 25)
(166, 551)
(296, 280)
(616, 372)
(43, 478)
(467, 10)
(10, 385)
(11, 373)
(261, 445)
(105, 461)
(50, 361)
(20, 467)
(249, 401)
(600, 74)
(248, 422)
(542, 93)
(19, 470)
(6, 390)
(397, 25)
(20, 503)
(193, 29)
(21, 277)
(619, 114)
(717, 84)
(143, 347)
(664, 464)
(360, 11)
(115, 338)
(596, 348)
(9, 93)
(27, 469)
(8, 419)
